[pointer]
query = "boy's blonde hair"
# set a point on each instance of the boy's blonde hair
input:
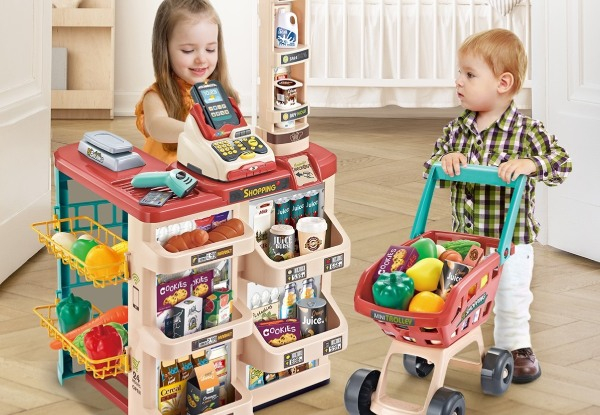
(503, 52)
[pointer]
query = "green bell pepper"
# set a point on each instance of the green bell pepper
(72, 312)
(393, 290)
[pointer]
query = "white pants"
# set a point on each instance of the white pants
(513, 298)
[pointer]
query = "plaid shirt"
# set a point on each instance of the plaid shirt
(480, 209)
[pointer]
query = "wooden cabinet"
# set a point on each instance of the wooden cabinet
(88, 34)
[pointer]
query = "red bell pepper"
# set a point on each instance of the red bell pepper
(102, 342)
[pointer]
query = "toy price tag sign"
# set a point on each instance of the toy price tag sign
(332, 345)
(302, 170)
(295, 273)
(295, 57)
(293, 358)
(209, 341)
(334, 262)
(212, 255)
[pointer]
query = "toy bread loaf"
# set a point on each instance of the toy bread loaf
(228, 229)
(187, 240)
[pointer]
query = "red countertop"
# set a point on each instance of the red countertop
(208, 194)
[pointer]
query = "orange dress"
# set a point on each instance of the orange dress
(152, 146)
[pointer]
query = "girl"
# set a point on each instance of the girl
(187, 48)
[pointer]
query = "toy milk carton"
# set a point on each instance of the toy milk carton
(187, 317)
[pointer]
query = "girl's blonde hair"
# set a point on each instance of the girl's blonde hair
(171, 12)
(502, 50)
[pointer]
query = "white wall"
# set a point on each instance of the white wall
(133, 44)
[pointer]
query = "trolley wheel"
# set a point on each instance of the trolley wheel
(497, 371)
(417, 366)
(359, 389)
(446, 401)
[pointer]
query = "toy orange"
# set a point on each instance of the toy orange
(426, 302)
(103, 262)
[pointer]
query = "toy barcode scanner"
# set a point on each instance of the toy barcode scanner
(216, 142)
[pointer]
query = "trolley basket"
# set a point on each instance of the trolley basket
(470, 302)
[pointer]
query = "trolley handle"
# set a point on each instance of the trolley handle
(472, 173)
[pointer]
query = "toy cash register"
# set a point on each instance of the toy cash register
(216, 141)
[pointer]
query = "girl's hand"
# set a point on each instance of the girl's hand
(451, 163)
(510, 170)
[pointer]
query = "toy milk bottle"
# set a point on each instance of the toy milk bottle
(286, 29)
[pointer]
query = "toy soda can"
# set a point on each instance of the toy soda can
(282, 241)
(282, 211)
(297, 203)
(312, 313)
(311, 203)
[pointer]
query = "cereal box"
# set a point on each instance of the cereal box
(217, 308)
(172, 293)
(279, 332)
(187, 317)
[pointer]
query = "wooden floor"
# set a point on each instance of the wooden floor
(377, 190)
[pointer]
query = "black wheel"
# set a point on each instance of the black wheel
(497, 371)
(359, 389)
(447, 402)
(417, 366)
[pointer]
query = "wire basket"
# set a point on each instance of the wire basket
(101, 368)
(467, 305)
(112, 273)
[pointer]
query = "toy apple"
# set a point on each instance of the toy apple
(81, 247)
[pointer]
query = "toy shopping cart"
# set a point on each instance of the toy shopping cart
(429, 341)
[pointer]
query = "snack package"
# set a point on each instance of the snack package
(397, 258)
(217, 308)
(279, 332)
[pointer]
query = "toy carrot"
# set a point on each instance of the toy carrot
(117, 315)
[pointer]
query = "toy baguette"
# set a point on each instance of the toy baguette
(228, 229)
(198, 237)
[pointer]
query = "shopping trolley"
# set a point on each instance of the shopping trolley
(429, 341)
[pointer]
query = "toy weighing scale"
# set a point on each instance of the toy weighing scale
(217, 142)
(109, 150)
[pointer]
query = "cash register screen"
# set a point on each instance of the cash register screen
(211, 95)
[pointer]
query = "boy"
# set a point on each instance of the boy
(491, 131)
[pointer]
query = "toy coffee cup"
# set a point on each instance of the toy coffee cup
(311, 234)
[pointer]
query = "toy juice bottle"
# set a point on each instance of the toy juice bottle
(288, 303)
(308, 289)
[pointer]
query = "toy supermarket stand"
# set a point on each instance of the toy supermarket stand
(146, 259)
(430, 341)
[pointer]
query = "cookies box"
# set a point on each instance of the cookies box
(201, 284)
(171, 293)
(397, 258)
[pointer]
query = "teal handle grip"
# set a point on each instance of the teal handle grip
(486, 175)
(177, 180)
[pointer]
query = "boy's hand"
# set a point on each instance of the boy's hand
(510, 170)
(451, 163)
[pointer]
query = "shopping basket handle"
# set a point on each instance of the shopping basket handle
(473, 173)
